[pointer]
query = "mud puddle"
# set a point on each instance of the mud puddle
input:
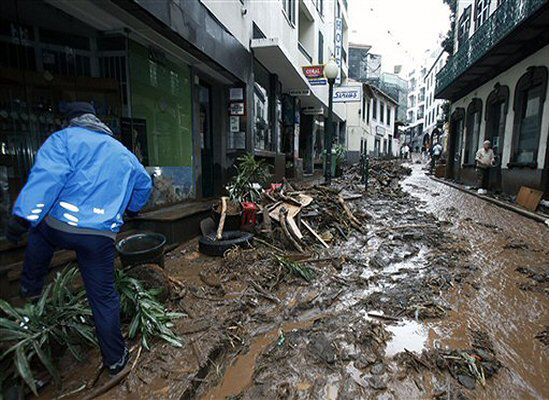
(238, 375)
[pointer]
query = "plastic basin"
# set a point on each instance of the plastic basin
(142, 248)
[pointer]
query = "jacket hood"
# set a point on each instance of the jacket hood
(91, 122)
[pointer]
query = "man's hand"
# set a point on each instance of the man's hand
(17, 226)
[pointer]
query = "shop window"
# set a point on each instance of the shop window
(482, 12)
(464, 25)
(496, 114)
(153, 75)
(530, 94)
(263, 134)
(474, 114)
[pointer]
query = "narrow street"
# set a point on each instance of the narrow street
(435, 273)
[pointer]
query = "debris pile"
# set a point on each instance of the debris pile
(469, 367)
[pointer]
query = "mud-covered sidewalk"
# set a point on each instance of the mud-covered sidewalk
(441, 296)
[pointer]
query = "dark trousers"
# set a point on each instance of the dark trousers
(483, 177)
(434, 160)
(95, 255)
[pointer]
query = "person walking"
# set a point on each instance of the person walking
(436, 152)
(81, 184)
(484, 161)
(405, 150)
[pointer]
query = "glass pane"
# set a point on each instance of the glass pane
(527, 145)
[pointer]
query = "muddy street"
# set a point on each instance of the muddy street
(439, 295)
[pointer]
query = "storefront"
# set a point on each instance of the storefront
(174, 117)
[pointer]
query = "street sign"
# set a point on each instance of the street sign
(299, 92)
(313, 71)
(347, 94)
(318, 82)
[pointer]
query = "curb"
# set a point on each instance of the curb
(499, 203)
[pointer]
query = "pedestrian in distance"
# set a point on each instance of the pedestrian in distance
(436, 152)
(484, 160)
(81, 184)
(404, 151)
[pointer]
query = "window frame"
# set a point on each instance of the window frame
(533, 78)
(470, 148)
(289, 11)
(482, 12)
(464, 26)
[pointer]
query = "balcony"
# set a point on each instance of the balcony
(515, 30)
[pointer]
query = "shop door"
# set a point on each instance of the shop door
(495, 133)
(457, 133)
(206, 140)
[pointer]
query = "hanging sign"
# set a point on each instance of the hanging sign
(338, 45)
(299, 92)
(313, 71)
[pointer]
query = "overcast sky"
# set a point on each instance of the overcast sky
(400, 30)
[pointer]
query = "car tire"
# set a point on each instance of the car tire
(210, 246)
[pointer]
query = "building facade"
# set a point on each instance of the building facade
(383, 140)
(188, 86)
(357, 114)
(434, 117)
(415, 112)
(497, 81)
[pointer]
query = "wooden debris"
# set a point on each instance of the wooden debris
(283, 214)
(219, 235)
(316, 235)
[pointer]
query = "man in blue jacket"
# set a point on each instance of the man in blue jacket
(82, 183)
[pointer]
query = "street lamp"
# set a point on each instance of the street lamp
(331, 70)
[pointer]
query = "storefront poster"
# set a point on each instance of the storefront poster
(234, 124)
(237, 108)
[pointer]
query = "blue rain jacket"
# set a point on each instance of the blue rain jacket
(84, 178)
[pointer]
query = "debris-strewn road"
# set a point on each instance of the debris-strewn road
(425, 302)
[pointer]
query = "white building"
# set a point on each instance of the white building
(371, 124)
(497, 81)
(358, 122)
(284, 36)
(415, 113)
(434, 113)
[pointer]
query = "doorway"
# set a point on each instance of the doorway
(206, 139)
(495, 133)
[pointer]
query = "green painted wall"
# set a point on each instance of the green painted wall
(161, 94)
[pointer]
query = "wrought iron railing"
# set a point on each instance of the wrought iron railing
(502, 21)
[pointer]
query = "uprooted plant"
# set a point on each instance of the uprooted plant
(251, 176)
(61, 318)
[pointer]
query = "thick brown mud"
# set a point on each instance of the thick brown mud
(497, 303)
(433, 266)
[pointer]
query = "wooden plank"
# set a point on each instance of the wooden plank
(292, 226)
(529, 198)
(316, 235)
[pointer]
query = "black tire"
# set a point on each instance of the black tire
(210, 246)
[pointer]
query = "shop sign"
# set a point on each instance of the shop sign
(347, 94)
(299, 92)
(236, 108)
(338, 45)
(313, 71)
(380, 131)
(236, 94)
(234, 122)
(313, 111)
